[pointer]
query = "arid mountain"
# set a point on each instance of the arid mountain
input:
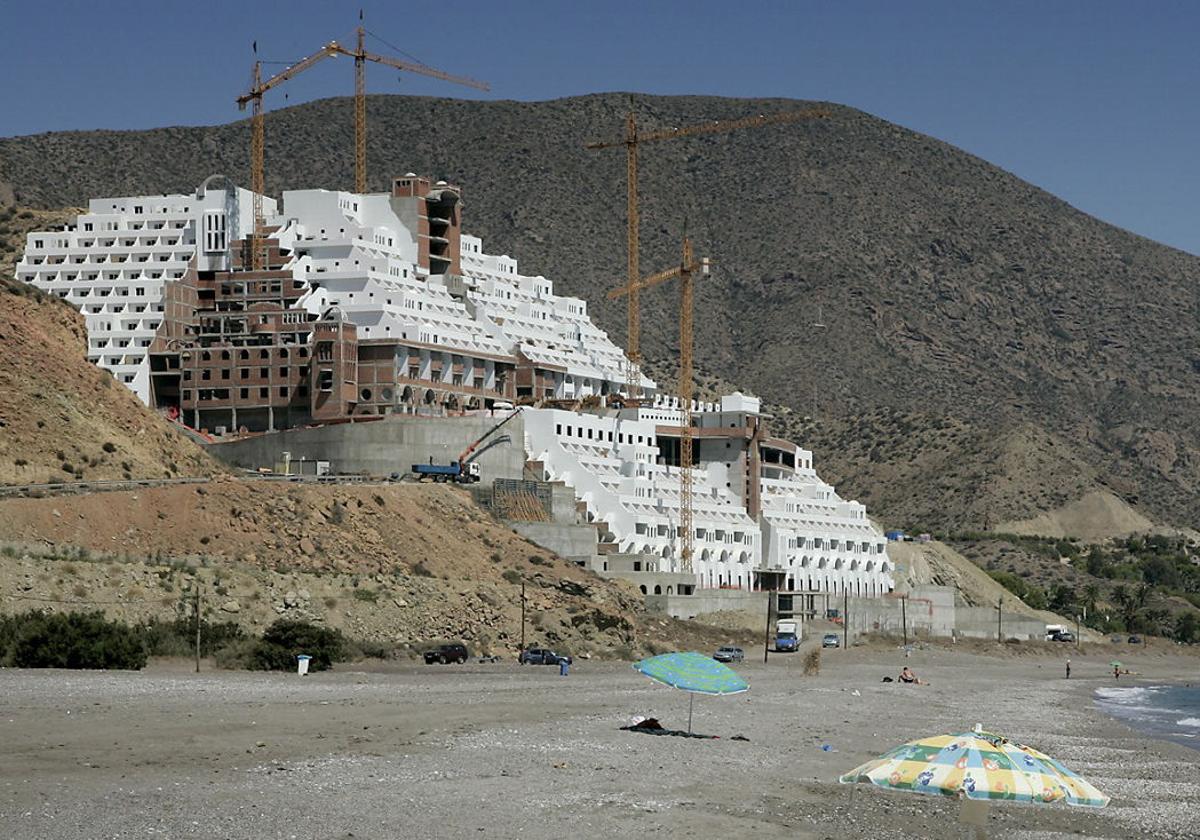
(988, 353)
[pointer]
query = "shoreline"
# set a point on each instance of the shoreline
(1153, 723)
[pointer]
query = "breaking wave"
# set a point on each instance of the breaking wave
(1164, 711)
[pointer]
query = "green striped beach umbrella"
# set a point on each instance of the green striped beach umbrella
(694, 673)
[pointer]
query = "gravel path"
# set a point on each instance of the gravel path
(500, 751)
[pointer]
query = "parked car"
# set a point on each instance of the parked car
(1116, 640)
(1063, 636)
(1135, 640)
(729, 653)
(445, 654)
(831, 640)
(542, 656)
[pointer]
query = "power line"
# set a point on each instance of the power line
(393, 47)
(80, 603)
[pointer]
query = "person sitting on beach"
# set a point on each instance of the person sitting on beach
(907, 676)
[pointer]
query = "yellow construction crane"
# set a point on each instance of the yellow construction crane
(631, 141)
(688, 266)
(360, 55)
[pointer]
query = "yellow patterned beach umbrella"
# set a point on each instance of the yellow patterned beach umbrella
(980, 766)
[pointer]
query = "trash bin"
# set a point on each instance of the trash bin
(302, 664)
(564, 667)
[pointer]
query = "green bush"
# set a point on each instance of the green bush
(72, 640)
(239, 654)
(285, 639)
(178, 637)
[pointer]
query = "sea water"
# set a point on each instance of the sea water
(1163, 711)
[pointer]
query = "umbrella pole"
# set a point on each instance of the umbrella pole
(973, 813)
(691, 700)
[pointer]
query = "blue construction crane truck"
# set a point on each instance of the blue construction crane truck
(458, 472)
(463, 470)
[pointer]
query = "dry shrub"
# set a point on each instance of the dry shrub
(812, 662)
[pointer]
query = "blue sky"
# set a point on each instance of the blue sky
(1094, 101)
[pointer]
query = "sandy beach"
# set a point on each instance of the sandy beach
(502, 751)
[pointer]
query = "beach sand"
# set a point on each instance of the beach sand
(501, 751)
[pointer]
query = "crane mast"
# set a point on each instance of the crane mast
(258, 258)
(687, 535)
(360, 115)
(685, 388)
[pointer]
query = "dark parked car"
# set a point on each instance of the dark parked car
(1063, 636)
(542, 656)
(1135, 640)
(445, 654)
(729, 653)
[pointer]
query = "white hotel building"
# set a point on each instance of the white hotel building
(456, 327)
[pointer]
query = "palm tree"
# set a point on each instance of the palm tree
(1129, 607)
(1091, 594)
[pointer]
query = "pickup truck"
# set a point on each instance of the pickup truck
(541, 656)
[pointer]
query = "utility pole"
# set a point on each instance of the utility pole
(522, 613)
(904, 617)
(845, 616)
(767, 634)
(1076, 632)
(1000, 621)
(197, 626)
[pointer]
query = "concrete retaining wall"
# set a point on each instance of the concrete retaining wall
(707, 601)
(929, 611)
(390, 445)
(980, 623)
(932, 611)
(574, 542)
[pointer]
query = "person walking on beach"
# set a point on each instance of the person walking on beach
(1116, 671)
(1068, 669)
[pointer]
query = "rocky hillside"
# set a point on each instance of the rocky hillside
(62, 418)
(989, 352)
(397, 564)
